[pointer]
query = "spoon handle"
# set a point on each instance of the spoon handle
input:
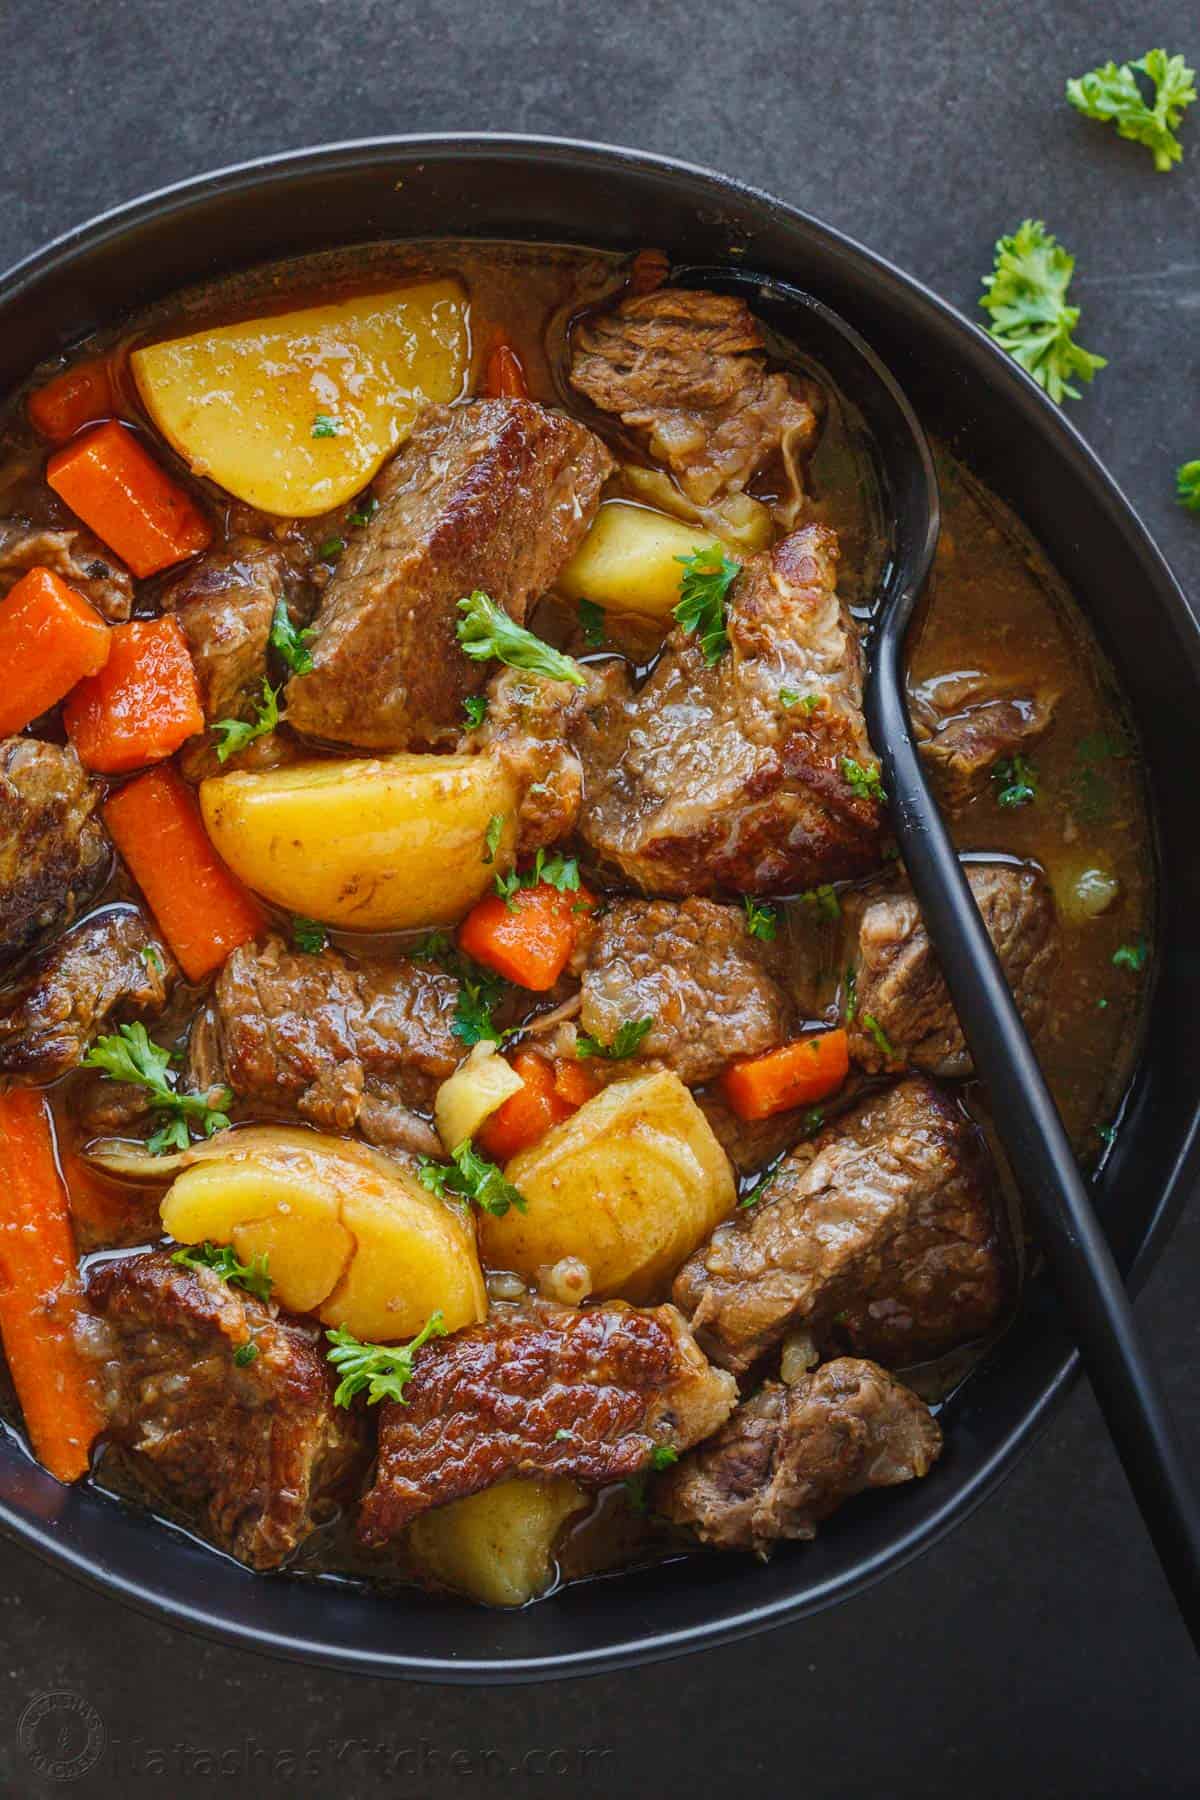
(1087, 1279)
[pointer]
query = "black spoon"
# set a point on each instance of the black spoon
(1081, 1263)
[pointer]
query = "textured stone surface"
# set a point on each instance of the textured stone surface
(1035, 1652)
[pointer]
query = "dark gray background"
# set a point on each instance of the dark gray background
(1035, 1652)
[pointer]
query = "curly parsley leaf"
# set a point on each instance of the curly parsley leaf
(236, 734)
(1187, 485)
(591, 623)
(625, 1043)
(865, 783)
(1026, 294)
(324, 425)
(485, 631)
(1132, 956)
(471, 1177)
(130, 1054)
(475, 707)
(383, 1370)
(245, 1354)
(1112, 95)
(290, 640)
(556, 870)
(309, 935)
(790, 697)
(708, 574)
(1016, 781)
(362, 515)
(331, 549)
(761, 921)
(224, 1261)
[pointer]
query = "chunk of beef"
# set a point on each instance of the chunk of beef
(899, 985)
(684, 372)
(528, 727)
(70, 551)
(54, 855)
(250, 1449)
(110, 968)
(541, 1390)
(790, 1456)
(342, 1044)
(727, 777)
(889, 1223)
(696, 972)
(496, 495)
(225, 603)
(973, 723)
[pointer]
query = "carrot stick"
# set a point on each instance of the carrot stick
(528, 1114)
(39, 1291)
(573, 1083)
(201, 910)
(505, 375)
(142, 705)
(118, 489)
(796, 1075)
(50, 638)
(526, 939)
(78, 396)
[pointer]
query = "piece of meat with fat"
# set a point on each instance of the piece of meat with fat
(54, 855)
(225, 603)
(493, 494)
(71, 552)
(107, 970)
(685, 372)
(734, 776)
(528, 728)
(790, 1456)
(970, 724)
(250, 1450)
(541, 1390)
(903, 1016)
(344, 1045)
(888, 1228)
(694, 969)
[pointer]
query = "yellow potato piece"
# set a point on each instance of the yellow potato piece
(627, 562)
(377, 845)
(497, 1546)
(630, 1185)
(349, 1234)
(294, 413)
(473, 1093)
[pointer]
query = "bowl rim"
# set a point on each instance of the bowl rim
(637, 1646)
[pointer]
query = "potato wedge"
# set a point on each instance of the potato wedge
(630, 1185)
(497, 1546)
(294, 413)
(349, 1234)
(627, 562)
(472, 1094)
(377, 845)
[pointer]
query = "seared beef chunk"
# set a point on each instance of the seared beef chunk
(248, 1448)
(974, 723)
(70, 551)
(888, 1225)
(225, 603)
(790, 1456)
(695, 970)
(527, 727)
(53, 851)
(725, 777)
(903, 1017)
(541, 1390)
(110, 968)
(344, 1045)
(496, 495)
(685, 372)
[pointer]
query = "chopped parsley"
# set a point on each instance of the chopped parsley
(1026, 295)
(1132, 956)
(708, 574)
(224, 1261)
(470, 1176)
(362, 515)
(592, 623)
(761, 921)
(309, 935)
(823, 900)
(865, 783)
(331, 549)
(1187, 485)
(237, 734)
(789, 697)
(851, 992)
(151, 958)
(485, 631)
(383, 1370)
(753, 1195)
(879, 1034)
(130, 1055)
(1106, 1132)
(435, 946)
(663, 1456)
(245, 1354)
(563, 1436)
(324, 425)
(556, 870)
(813, 1121)
(492, 836)
(479, 990)
(625, 1043)
(1113, 95)
(290, 641)
(1016, 781)
(475, 707)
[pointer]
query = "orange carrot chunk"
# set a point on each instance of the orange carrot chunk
(40, 1301)
(201, 910)
(526, 1115)
(50, 638)
(143, 703)
(796, 1075)
(77, 397)
(504, 378)
(526, 939)
(117, 488)
(574, 1083)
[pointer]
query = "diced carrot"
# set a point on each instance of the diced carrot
(79, 396)
(143, 703)
(50, 638)
(574, 1083)
(118, 489)
(526, 1115)
(796, 1075)
(505, 376)
(39, 1291)
(527, 939)
(201, 910)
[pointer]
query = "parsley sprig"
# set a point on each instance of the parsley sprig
(130, 1054)
(309, 935)
(862, 781)
(471, 1177)
(761, 921)
(236, 734)
(1026, 294)
(626, 1041)
(708, 574)
(224, 1261)
(556, 870)
(1112, 95)
(479, 990)
(485, 631)
(383, 1370)
(1016, 780)
(290, 640)
(1132, 956)
(1187, 485)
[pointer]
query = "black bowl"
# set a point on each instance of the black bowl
(514, 187)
